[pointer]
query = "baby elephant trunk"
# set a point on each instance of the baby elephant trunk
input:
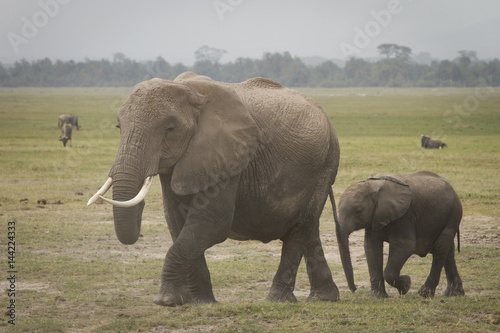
(345, 255)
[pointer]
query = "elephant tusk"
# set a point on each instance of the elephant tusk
(134, 201)
(101, 191)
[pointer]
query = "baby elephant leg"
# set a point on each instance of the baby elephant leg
(398, 255)
(454, 287)
(440, 253)
(429, 287)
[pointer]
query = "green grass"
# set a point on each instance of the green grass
(74, 275)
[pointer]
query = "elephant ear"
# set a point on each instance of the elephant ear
(224, 142)
(392, 199)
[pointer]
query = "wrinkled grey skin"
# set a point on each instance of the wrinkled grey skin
(65, 134)
(68, 119)
(429, 143)
(247, 161)
(416, 213)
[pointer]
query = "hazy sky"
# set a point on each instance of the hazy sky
(175, 29)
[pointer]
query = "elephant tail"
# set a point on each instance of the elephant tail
(458, 239)
(334, 206)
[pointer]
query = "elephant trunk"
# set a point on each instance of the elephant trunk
(130, 186)
(345, 254)
(131, 177)
(127, 213)
(127, 220)
(134, 164)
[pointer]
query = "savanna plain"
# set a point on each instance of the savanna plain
(73, 275)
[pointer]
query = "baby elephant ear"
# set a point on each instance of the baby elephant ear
(392, 199)
(224, 142)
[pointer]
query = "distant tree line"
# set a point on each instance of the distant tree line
(395, 70)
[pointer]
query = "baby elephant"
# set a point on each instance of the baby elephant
(416, 213)
(65, 134)
(428, 142)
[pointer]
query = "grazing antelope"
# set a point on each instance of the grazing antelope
(65, 133)
(68, 119)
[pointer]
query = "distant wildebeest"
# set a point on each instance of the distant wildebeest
(428, 142)
(65, 133)
(68, 119)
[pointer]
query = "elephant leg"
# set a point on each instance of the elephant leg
(439, 256)
(208, 222)
(173, 210)
(428, 289)
(399, 252)
(199, 283)
(320, 276)
(183, 260)
(454, 287)
(375, 259)
(294, 245)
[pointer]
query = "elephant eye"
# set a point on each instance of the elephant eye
(357, 210)
(170, 126)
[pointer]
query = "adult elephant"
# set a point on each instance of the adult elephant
(416, 213)
(68, 119)
(248, 161)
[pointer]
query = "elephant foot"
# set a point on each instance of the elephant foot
(168, 299)
(454, 290)
(203, 299)
(426, 291)
(281, 296)
(330, 294)
(379, 294)
(173, 296)
(404, 284)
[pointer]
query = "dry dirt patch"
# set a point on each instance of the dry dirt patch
(480, 230)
